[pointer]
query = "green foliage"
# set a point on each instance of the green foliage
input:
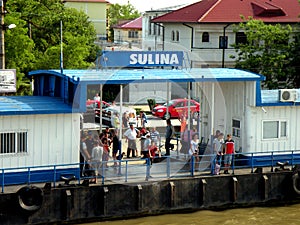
(36, 41)
(117, 12)
(268, 51)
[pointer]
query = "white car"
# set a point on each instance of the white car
(109, 112)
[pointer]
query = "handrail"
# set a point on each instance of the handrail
(128, 167)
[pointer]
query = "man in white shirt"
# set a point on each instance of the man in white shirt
(131, 135)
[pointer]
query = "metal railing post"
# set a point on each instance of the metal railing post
(292, 163)
(102, 169)
(148, 165)
(192, 166)
(29, 178)
(252, 162)
(232, 164)
(168, 166)
(2, 185)
(272, 161)
(126, 171)
(54, 176)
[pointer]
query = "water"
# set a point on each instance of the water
(246, 216)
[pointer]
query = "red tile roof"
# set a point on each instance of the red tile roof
(87, 1)
(133, 24)
(230, 11)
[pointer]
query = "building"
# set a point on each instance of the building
(96, 11)
(152, 33)
(205, 29)
(129, 32)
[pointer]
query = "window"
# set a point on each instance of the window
(133, 34)
(173, 35)
(274, 129)
(150, 26)
(236, 128)
(240, 38)
(223, 42)
(13, 142)
(205, 37)
(177, 35)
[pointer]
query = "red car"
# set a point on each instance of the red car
(176, 109)
(96, 104)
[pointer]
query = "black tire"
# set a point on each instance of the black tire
(30, 198)
(295, 182)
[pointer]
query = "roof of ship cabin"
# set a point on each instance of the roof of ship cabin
(126, 76)
(25, 105)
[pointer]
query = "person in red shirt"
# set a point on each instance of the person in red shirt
(229, 151)
(152, 151)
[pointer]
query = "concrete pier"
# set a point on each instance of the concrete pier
(79, 203)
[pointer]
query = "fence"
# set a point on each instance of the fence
(137, 170)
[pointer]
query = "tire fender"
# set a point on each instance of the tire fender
(30, 198)
(295, 178)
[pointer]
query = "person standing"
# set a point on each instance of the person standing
(131, 135)
(169, 135)
(229, 151)
(97, 97)
(84, 155)
(125, 120)
(97, 154)
(146, 145)
(217, 154)
(115, 146)
(193, 151)
(155, 136)
(143, 117)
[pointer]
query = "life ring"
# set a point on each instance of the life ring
(30, 198)
(295, 178)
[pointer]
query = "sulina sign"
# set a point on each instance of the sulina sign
(141, 58)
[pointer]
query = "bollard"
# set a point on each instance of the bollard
(172, 194)
(105, 200)
(265, 187)
(203, 185)
(139, 197)
(234, 189)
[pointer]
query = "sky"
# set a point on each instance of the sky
(145, 5)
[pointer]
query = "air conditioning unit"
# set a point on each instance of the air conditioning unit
(288, 95)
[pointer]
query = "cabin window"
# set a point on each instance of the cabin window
(274, 129)
(236, 128)
(133, 34)
(173, 35)
(13, 142)
(205, 37)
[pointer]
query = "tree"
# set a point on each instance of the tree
(117, 12)
(268, 51)
(35, 42)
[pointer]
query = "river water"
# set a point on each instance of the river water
(285, 215)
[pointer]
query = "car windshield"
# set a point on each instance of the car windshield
(170, 103)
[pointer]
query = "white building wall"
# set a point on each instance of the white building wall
(258, 115)
(52, 139)
(231, 100)
(152, 40)
(202, 54)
